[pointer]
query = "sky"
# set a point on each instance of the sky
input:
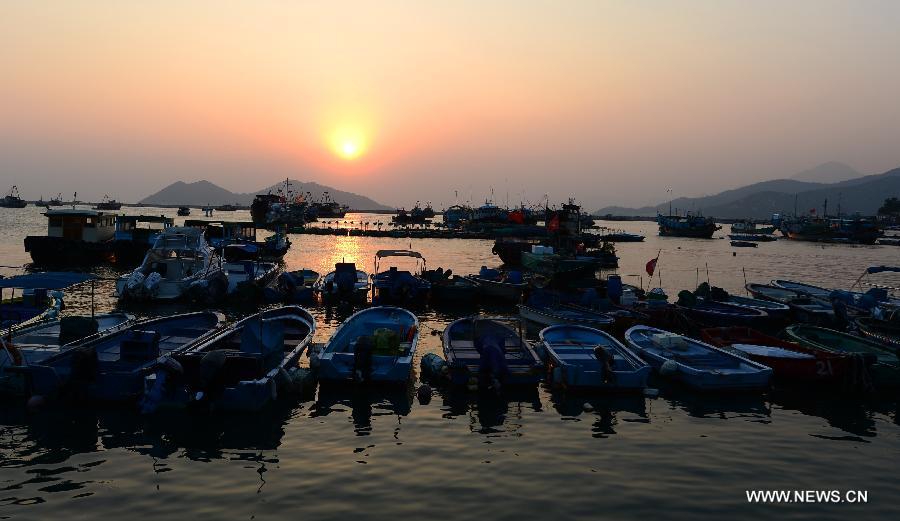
(610, 102)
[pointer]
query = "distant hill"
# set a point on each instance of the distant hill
(204, 192)
(831, 172)
(760, 200)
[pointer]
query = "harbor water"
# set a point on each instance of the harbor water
(382, 454)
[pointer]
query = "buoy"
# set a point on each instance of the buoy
(424, 394)
(433, 366)
(668, 368)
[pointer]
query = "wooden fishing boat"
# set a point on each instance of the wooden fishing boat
(551, 315)
(375, 345)
(888, 333)
(790, 361)
(39, 341)
(696, 364)
(573, 362)
(242, 367)
(464, 343)
(713, 313)
(112, 367)
(884, 369)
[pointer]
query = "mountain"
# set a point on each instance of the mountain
(831, 172)
(204, 192)
(760, 200)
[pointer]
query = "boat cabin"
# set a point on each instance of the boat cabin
(80, 225)
(221, 233)
(141, 228)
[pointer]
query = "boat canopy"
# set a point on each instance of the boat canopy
(46, 280)
(398, 253)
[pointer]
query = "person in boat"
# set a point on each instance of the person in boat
(606, 364)
(492, 368)
(362, 358)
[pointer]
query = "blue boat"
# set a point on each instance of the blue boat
(696, 364)
(38, 297)
(344, 284)
(37, 342)
(803, 288)
(396, 286)
(583, 357)
(713, 313)
(112, 367)
(548, 314)
(242, 367)
(375, 345)
(774, 309)
(469, 363)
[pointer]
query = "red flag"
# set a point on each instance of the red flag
(554, 224)
(651, 266)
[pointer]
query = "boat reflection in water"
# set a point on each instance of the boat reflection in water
(366, 403)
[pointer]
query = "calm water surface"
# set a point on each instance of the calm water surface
(379, 455)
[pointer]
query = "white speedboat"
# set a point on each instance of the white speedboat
(179, 260)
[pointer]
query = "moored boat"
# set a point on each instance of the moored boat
(344, 284)
(743, 244)
(774, 309)
(179, 260)
(884, 331)
(450, 289)
(790, 361)
(184, 211)
(686, 226)
(112, 367)
(75, 237)
(298, 286)
(804, 289)
(108, 204)
(696, 364)
(711, 312)
(33, 344)
(242, 367)
(376, 345)
(12, 199)
(580, 357)
(502, 286)
(548, 314)
(135, 234)
(399, 286)
(885, 370)
(490, 352)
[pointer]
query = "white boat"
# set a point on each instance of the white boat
(179, 259)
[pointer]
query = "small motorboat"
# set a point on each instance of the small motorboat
(39, 341)
(184, 211)
(374, 345)
(344, 284)
(584, 357)
(450, 289)
(399, 286)
(744, 244)
(772, 293)
(34, 297)
(547, 314)
(774, 309)
(180, 260)
(622, 237)
(714, 313)
(242, 367)
(752, 237)
(696, 364)
(804, 289)
(885, 331)
(790, 361)
(492, 283)
(297, 286)
(468, 347)
(246, 272)
(885, 364)
(112, 367)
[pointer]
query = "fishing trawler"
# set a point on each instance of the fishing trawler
(12, 199)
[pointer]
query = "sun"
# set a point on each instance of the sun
(348, 142)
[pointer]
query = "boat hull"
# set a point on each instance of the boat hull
(551, 317)
(58, 251)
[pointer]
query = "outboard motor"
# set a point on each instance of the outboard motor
(134, 282)
(345, 278)
(151, 283)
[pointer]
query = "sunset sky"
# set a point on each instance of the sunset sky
(611, 102)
